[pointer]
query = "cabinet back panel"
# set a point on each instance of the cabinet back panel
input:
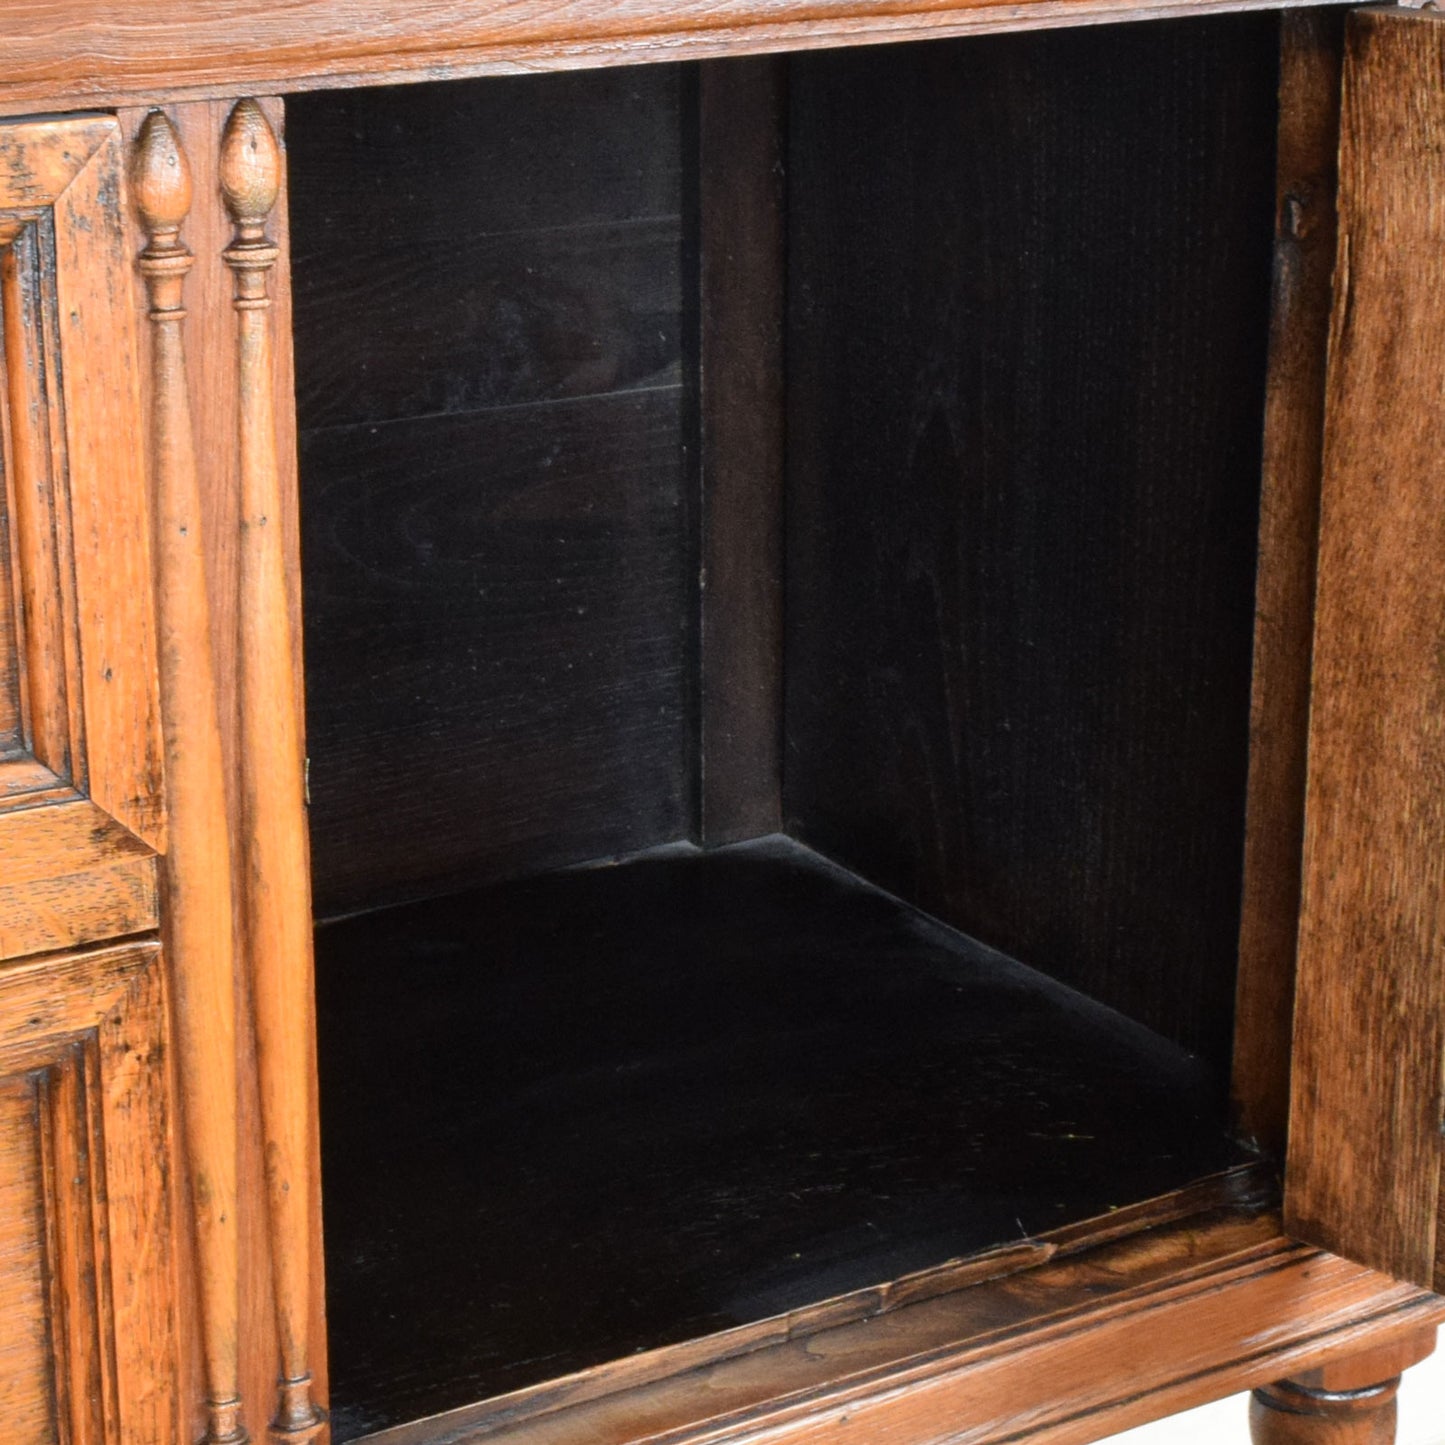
(489, 313)
(1029, 291)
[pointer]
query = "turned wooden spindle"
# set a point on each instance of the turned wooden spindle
(1344, 1402)
(197, 869)
(275, 876)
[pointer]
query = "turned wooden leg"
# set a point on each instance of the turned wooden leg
(1345, 1402)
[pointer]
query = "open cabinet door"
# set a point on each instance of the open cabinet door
(1365, 1151)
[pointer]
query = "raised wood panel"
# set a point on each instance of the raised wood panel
(27, 1393)
(87, 1354)
(1366, 1148)
(80, 776)
(94, 51)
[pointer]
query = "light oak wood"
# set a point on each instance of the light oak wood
(80, 786)
(198, 896)
(1365, 1148)
(275, 894)
(214, 388)
(88, 1349)
(93, 52)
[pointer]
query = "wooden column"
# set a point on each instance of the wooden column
(275, 879)
(197, 870)
(1347, 1402)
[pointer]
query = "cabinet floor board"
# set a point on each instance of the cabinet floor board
(576, 1116)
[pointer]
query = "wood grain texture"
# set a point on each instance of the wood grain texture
(1345, 1402)
(81, 646)
(64, 910)
(719, 1086)
(495, 525)
(1198, 1309)
(741, 244)
(1026, 372)
(27, 1394)
(93, 52)
(275, 871)
(86, 1224)
(98, 346)
(1311, 49)
(1365, 1149)
(214, 391)
(197, 872)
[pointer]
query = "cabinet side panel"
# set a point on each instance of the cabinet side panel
(1028, 291)
(1365, 1142)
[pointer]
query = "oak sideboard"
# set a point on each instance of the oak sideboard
(720, 721)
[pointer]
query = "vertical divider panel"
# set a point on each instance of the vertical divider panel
(1365, 1148)
(212, 356)
(742, 238)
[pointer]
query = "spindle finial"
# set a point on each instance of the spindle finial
(250, 166)
(161, 177)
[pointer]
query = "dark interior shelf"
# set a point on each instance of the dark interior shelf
(589, 1113)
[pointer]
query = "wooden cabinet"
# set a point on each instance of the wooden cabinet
(826, 490)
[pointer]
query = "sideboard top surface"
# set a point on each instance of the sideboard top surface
(63, 54)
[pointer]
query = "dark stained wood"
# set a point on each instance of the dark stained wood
(613, 1108)
(495, 612)
(1365, 1151)
(496, 531)
(742, 233)
(78, 52)
(1311, 46)
(1037, 1347)
(1026, 371)
(461, 247)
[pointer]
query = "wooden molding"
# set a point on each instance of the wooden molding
(1061, 1348)
(75, 52)
(197, 871)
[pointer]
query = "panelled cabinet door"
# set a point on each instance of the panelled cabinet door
(80, 797)
(86, 1322)
(1367, 1104)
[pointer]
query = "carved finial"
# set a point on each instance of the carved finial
(250, 183)
(250, 166)
(162, 181)
(161, 178)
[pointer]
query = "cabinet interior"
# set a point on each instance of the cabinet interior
(661, 992)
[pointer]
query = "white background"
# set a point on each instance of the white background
(1226, 1422)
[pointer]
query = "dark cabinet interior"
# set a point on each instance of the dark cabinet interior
(778, 569)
